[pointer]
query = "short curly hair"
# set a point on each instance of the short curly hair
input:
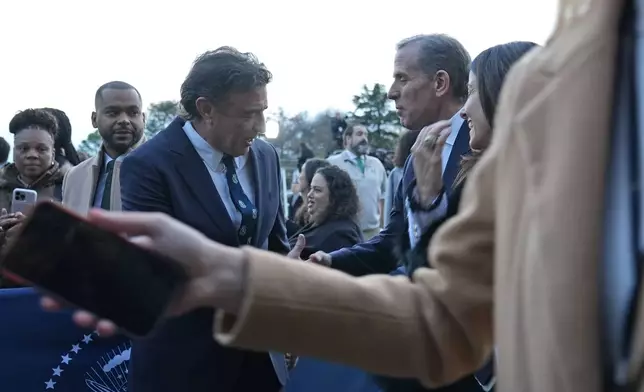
(34, 118)
(343, 197)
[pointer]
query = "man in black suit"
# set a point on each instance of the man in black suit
(209, 170)
(430, 84)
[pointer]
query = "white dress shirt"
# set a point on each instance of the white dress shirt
(212, 159)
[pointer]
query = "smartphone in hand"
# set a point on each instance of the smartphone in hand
(86, 266)
(23, 200)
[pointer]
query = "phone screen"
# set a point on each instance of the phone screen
(92, 268)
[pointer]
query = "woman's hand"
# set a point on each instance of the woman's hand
(296, 252)
(215, 271)
(428, 161)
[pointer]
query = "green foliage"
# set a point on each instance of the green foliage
(159, 116)
(313, 130)
(376, 112)
(92, 144)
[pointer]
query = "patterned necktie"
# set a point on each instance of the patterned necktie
(242, 203)
(360, 162)
(107, 190)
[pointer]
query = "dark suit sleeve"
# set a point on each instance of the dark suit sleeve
(142, 187)
(378, 255)
(342, 238)
(277, 239)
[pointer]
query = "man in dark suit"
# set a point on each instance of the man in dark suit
(430, 84)
(209, 170)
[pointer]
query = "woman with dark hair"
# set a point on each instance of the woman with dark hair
(403, 149)
(66, 154)
(301, 216)
(332, 207)
(34, 166)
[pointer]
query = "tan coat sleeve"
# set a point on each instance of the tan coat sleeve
(436, 328)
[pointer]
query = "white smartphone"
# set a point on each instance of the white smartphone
(23, 200)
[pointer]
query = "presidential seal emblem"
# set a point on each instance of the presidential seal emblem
(108, 374)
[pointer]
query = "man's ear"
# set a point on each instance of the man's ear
(205, 108)
(94, 122)
(144, 118)
(442, 83)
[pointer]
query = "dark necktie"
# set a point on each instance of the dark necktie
(107, 190)
(242, 203)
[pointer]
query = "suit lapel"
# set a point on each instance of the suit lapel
(260, 177)
(198, 180)
(94, 172)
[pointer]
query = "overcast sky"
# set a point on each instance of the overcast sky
(56, 53)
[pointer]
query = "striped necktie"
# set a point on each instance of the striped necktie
(242, 203)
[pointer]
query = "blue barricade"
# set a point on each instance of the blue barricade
(42, 351)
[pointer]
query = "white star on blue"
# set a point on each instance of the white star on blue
(57, 371)
(65, 359)
(50, 384)
(87, 339)
(75, 348)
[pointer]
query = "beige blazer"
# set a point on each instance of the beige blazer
(79, 185)
(518, 263)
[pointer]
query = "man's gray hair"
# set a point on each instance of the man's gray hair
(442, 52)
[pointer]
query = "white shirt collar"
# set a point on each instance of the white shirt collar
(457, 123)
(107, 159)
(209, 154)
(351, 155)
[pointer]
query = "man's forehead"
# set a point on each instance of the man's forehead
(406, 59)
(254, 99)
(111, 97)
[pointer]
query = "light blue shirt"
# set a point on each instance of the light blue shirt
(420, 221)
(102, 179)
(212, 160)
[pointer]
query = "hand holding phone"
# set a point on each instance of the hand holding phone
(84, 265)
(215, 273)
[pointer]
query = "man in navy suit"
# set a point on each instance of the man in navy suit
(208, 169)
(430, 84)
